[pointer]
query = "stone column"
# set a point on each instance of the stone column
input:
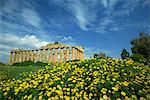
(17, 57)
(10, 58)
(67, 54)
(45, 55)
(41, 55)
(21, 56)
(24, 55)
(50, 55)
(82, 57)
(78, 54)
(73, 53)
(28, 55)
(55, 55)
(14, 57)
(32, 55)
(36, 56)
(64, 52)
(61, 55)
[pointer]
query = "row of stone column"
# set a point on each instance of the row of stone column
(46, 55)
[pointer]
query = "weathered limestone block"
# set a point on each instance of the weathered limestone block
(50, 55)
(55, 55)
(32, 55)
(73, 53)
(17, 57)
(24, 55)
(11, 58)
(41, 55)
(36, 56)
(45, 55)
(21, 56)
(67, 54)
(28, 55)
(61, 55)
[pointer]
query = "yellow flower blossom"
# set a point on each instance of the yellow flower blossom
(105, 97)
(40, 97)
(123, 93)
(5, 93)
(115, 88)
(125, 83)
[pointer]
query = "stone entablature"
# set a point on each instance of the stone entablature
(56, 52)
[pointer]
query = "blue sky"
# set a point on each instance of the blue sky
(98, 25)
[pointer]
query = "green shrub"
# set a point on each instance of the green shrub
(138, 58)
(30, 63)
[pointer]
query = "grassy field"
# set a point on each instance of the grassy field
(103, 79)
(7, 72)
(14, 71)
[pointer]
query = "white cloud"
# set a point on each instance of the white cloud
(31, 16)
(10, 41)
(25, 42)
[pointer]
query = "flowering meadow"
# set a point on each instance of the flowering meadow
(100, 79)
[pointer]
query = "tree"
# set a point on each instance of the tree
(138, 58)
(100, 55)
(125, 54)
(141, 45)
(96, 55)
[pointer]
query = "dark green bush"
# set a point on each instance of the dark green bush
(29, 63)
(138, 58)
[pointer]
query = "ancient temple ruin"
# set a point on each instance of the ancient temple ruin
(56, 52)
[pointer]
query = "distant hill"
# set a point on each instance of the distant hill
(1, 64)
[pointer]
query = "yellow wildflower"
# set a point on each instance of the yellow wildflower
(5, 93)
(142, 98)
(125, 83)
(115, 88)
(123, 93)
(40, 97)
(49, 94)
(105, 97)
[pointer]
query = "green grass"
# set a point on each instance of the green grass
(2, 64)
(7, 72)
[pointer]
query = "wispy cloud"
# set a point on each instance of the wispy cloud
(20, 12)
(105, 12)
(80, 14)
(83, 11)
(31, 17)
